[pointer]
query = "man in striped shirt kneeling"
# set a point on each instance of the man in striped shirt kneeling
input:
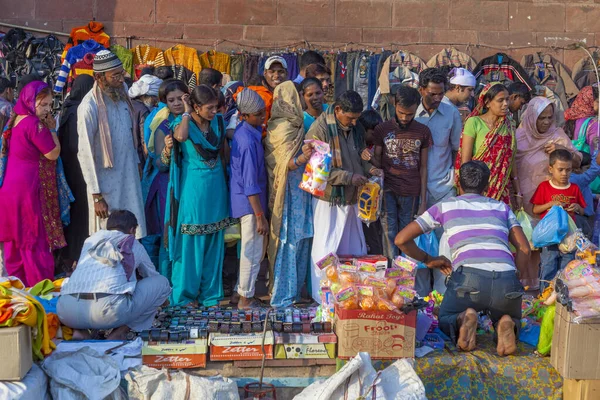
(483, 272)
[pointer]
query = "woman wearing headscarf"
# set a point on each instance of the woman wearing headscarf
(30, 217)
(155, 179)
(77, 231)
(489, 136)
(581, 119)
(291, 227)
(197, 211)
(537, 137)
(144, 96)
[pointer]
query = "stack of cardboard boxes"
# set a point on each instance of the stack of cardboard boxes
(576, 355)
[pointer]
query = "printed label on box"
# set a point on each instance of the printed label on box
(382, 334)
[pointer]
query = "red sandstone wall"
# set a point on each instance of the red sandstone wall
(410, 24)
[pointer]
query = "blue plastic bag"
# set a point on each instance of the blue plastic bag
(551, 229)
(429, 243)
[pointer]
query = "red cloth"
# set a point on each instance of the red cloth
(546, 193)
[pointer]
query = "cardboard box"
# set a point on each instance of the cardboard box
(304, 346)
(243, 346)
(382, 334)
(15, 353)
(189, 354)
(575, 347)
(581, 390)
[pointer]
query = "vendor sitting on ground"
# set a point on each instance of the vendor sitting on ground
(485, 277)
(115, 285)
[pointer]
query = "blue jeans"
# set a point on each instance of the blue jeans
(495, 293)
(398, 211)
(552, 261)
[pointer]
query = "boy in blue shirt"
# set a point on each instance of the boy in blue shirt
(249, 192)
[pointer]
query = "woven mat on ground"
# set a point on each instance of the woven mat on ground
(482, 374)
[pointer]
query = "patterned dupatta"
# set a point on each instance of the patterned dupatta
(497, 151)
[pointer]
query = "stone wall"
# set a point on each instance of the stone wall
(425, 27)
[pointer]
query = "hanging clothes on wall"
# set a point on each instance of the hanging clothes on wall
(340, 83)
(351, 62)
(452, 58)
(584, 73)
(399, 59)
(180, 55)
(361, 77)
(384, 102)
(144, 56)
(500, 68)
(330, 61)
(373, 62)
(83, 67)
(543, 69)
(215, 60)
(250, 67)
(126, 58)
(93, 30)
(292, 64)
(185, 75)
(237, 67)
(74, 55)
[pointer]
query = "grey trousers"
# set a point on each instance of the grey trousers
(136, 310)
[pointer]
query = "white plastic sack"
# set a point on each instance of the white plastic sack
(128, 356)
(83, 374)
(358, 379)
(34, 386)
(144, 383)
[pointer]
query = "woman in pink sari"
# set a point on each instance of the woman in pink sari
(29, 207)
(537, 137)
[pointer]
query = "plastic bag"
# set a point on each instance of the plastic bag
(568, 244)
(546, 331)
(318, 168)
(526, 224)
(233, 233)
(369, 200)
(552, 228)
(428, 242)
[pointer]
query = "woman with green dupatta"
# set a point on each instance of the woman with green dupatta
(489, 136)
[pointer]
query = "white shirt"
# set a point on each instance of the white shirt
(93, 276)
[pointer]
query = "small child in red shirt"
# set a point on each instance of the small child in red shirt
(557, 191)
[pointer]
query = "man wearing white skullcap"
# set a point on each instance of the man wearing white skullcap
(108, 146)
(144, 96)
(460, 90)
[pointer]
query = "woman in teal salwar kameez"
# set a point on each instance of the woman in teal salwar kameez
(197, 201)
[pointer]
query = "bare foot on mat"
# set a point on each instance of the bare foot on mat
(507, 341)
(468, 330)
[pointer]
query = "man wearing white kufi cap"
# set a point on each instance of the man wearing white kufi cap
(108, 146)
(460, 90)
(144, 96)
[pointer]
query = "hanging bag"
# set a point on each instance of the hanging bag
(552, 228)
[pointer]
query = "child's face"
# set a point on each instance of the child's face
(561, 172)
(257, 119)
(596, 106)
(515, 102)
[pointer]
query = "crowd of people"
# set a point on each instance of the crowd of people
(186, 171)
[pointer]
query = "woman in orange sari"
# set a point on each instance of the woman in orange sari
(489, 136)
